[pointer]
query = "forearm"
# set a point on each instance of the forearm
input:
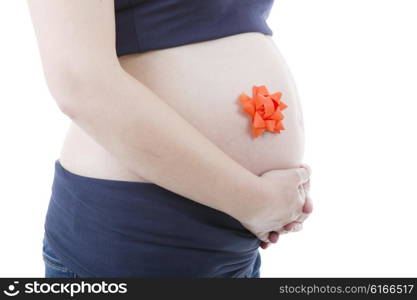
(154, 141)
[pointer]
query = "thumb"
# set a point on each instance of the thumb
(304, 173)
(264, 237)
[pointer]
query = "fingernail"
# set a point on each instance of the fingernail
(297, 227)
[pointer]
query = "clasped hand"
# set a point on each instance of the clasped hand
(283, 206)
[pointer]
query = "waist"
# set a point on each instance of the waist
(202, 82)
(109, 228)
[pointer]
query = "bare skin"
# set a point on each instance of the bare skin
(171, 116)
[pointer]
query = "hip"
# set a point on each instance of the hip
(109, 228)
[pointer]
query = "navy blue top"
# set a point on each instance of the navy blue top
(143, 25)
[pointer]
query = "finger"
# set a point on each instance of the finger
(303, 175)
(264, 237)
(289, 226)
(297, 227)
(273, 236)
(302, 218)
(264, 245)
(306, 166)
(308, 205)
(294, 226)
(306, 185)
(303, 193)
(283, 231)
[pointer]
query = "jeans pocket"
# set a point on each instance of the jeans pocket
(54, 268)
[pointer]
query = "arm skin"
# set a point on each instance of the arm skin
(77, 46)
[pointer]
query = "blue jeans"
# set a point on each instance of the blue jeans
(53, 266)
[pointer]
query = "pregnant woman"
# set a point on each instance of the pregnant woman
(166, 170)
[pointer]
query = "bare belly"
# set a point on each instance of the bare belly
(202, 82)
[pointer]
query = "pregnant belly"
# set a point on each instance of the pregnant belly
(203, 81)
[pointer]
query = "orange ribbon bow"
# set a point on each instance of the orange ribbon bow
(264, 110)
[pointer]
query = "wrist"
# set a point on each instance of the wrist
(246, 202)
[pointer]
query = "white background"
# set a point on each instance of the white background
(355, 65)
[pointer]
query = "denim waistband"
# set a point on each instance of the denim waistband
(114, 228)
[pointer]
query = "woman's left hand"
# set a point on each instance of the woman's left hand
(296, 225)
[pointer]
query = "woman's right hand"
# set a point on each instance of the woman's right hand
(283, 201)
